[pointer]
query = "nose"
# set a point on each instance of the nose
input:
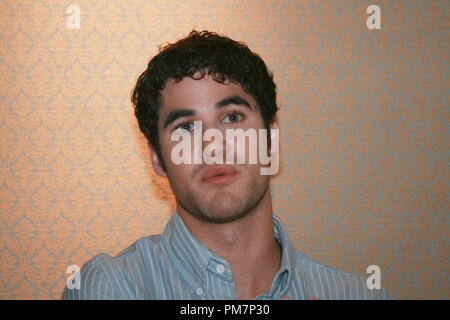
(213, 144)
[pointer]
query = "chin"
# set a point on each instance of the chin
(222, 204)
(224, 208)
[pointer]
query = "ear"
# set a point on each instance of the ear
(157, 167)
(275, 124)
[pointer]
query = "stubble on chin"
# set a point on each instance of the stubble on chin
(227, 205)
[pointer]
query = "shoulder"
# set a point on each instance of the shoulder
(120, 277)
(326, 282)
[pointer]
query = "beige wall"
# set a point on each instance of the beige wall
(364, 126)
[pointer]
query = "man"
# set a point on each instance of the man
(223, 241)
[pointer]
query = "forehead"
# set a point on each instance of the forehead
(199, 94)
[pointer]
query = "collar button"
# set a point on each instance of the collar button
(220, 268)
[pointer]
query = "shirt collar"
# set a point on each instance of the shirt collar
(191, 257)
(283, 278)
(187, 254)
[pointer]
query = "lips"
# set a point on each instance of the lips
(219, 174)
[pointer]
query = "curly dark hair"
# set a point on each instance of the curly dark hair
(199, 54)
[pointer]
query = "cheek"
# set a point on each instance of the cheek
(175, 171)
(179, 174)
(166, 146)
(176, 178)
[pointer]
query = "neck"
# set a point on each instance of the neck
(247, 244)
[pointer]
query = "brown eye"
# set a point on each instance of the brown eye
(186, 126)
(233, 118)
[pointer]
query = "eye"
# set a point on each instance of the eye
(233, 117)
(185, 126)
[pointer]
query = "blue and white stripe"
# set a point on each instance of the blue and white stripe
(175, 265)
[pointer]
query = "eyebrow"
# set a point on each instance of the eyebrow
(236, 99)
(179, 113)
(176, 114)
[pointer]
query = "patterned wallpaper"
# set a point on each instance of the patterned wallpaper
(364, 117)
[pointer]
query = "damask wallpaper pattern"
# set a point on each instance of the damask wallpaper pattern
(364, 177)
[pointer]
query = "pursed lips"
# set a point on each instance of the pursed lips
(219, 174)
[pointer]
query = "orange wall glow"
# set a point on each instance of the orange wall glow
(364, 117)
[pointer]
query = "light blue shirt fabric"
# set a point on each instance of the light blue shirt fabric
(175, 265)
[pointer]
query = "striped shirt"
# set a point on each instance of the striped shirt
(175, 265)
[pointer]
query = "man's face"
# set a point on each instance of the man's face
(218, 192)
